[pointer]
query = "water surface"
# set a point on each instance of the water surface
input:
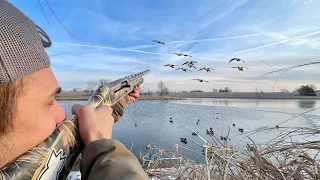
(152, 118)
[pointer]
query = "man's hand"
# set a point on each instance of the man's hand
(94, 124)
(131, 97)
(97, 124)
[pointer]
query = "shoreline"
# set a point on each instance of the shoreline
(82, 96)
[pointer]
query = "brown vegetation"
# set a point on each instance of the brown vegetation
(281, 158)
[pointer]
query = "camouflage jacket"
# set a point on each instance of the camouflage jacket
(109, 159)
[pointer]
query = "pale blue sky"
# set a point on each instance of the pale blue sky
(119, 35)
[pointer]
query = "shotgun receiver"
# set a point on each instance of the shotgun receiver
(55, 157)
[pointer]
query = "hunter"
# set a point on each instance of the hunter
(29, 112)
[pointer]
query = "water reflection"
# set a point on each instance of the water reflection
(307, 104)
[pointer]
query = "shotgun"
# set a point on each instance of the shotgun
(56, 156)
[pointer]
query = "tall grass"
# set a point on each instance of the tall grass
(292, 154)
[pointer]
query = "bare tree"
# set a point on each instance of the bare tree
(91, 85)
(312, 86)
(162, 89)
(284, 90)
(166, 91)
(104, 81)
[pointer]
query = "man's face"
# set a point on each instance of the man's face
(38, 112)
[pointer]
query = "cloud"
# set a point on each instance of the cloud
(280, 42)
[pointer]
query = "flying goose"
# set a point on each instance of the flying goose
(184, 69)
(181, 54)
(237, 59)
(170, 65)
(240, 68)
(159, 42)
(206, 69)
(200, 80)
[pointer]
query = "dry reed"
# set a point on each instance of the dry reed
(290, 155)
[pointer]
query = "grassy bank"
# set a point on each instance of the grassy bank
(241, 95)
(78, 95)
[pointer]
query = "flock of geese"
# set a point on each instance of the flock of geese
(191, 64)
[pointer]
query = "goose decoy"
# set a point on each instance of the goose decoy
(241, 129)
(223, 138)
(170, 65)
(250, 148)
(240, 68)
(183, 69)
(206, 69)
(194, 134)
(183, 140)
(159, 42)
(200, 80)
(237, 59)
(234, 125)
(210, 132)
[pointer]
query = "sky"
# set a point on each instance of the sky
(112, 39)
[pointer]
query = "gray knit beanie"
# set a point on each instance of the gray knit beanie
(21, 44)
